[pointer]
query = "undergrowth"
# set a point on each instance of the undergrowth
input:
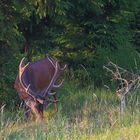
(84, 113)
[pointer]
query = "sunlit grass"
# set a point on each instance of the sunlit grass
(83, 114)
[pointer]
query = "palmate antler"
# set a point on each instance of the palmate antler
(47, 91)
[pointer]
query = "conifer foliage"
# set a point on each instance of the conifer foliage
(85, 34)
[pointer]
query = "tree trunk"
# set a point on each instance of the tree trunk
(28, 50)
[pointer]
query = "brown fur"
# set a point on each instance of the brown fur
(38, 74)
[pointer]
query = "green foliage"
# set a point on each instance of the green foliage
(135, 26)
(124, 55)
(8, 72)
(84, 34)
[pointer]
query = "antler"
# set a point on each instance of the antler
(22, 68)
(52, 85)
(62, 69)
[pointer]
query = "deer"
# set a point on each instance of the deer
(36, 82)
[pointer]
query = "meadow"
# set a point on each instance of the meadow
(85, 35)
(84, 114)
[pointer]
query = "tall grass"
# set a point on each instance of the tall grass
(84, 113)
